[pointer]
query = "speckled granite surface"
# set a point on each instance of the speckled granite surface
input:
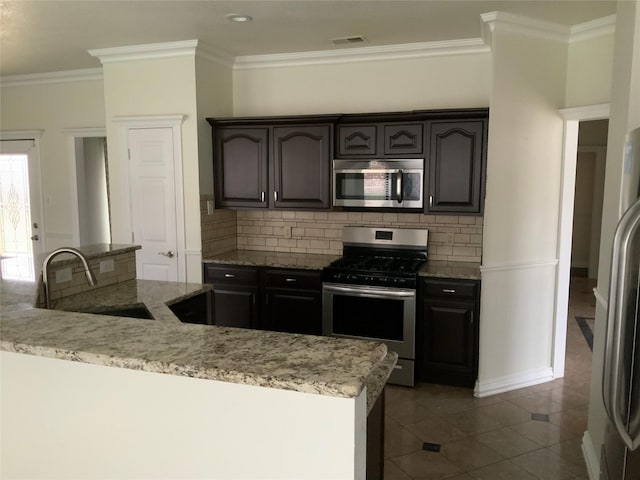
(155, 296)
(462, 270)
(258, 258)
(321, 365)
(97, 250)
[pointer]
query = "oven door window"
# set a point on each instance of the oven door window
(367, 317)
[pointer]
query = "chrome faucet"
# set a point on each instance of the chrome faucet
(91, 279)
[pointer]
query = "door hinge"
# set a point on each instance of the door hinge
(133, 237)
(129, 153)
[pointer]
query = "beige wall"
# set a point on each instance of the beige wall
(214, 96)
(618, 190)
(589, 71)
(521, 210)
(146, 88)
(52, 108)
(369, 86)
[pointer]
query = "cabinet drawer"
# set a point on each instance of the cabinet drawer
(230, 274)
(403, 139)
(449, 289)
(298, 279)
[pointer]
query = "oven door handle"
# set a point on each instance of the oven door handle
(370, 291)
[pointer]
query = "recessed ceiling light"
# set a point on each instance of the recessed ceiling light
(236, 17)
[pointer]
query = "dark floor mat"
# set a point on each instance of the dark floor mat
(583, 323)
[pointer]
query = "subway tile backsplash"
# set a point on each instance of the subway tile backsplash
(452, 238)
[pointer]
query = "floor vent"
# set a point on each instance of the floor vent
(540, 417)
(431, 447)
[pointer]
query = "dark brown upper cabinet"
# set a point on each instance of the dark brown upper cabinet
(380, 140)
(456, 166)
(241, 166)
(273, 162)
(301, 163)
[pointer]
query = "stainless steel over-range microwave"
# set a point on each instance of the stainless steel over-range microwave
(388, 183)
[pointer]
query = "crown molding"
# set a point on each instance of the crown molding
(84, 75)
(508, 22)
(363, 54)
(547, 30)
(594, 28)
(145, 52)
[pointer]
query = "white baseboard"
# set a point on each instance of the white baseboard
(507, 383)
(591, 457)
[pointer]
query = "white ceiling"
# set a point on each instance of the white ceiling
(52, 35)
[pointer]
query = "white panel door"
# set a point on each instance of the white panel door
(153, 205)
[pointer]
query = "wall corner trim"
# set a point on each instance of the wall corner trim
(485, 388)
(591, 456)
(512, 23)
(146, 51)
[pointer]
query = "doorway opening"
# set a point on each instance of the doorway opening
(21, 232)
(91, 208)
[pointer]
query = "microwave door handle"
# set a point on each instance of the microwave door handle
(399, 186)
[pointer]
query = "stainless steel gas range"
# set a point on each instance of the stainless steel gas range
(370, 292)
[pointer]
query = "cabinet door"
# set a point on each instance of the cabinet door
(357, 140)
(293, 311)
(448, 342)
(235, 306)
(301, 166)
(456, 167)
(403, 139)
(240, 167)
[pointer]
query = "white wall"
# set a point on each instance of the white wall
(521, 211)
(164, 86)
(93, 207)
(625, 116)
(214, 95)
(53, 107)
(455, 81)
(589, 71)
(64, 419)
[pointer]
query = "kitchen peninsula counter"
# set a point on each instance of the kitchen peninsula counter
(321, 365)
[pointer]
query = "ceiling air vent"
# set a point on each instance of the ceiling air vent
(338, 42)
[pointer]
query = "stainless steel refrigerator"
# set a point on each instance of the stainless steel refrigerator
(621, 374)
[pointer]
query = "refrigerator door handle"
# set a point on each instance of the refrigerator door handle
(615, 336)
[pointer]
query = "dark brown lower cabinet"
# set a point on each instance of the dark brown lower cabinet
(234, 295)
(448, 332)
(292, 301)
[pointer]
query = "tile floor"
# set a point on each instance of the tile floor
(496, 438)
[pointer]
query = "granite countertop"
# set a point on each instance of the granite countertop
(322, 365)
(442, 269)
(258, 258)
(154, 295)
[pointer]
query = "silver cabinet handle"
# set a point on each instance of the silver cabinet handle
(431, 200)
(399, 186)
(275, 196)
(229, 275)
(262, 197)
(290, 279)
(448, 290)
(168, 254)
(616, 334)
